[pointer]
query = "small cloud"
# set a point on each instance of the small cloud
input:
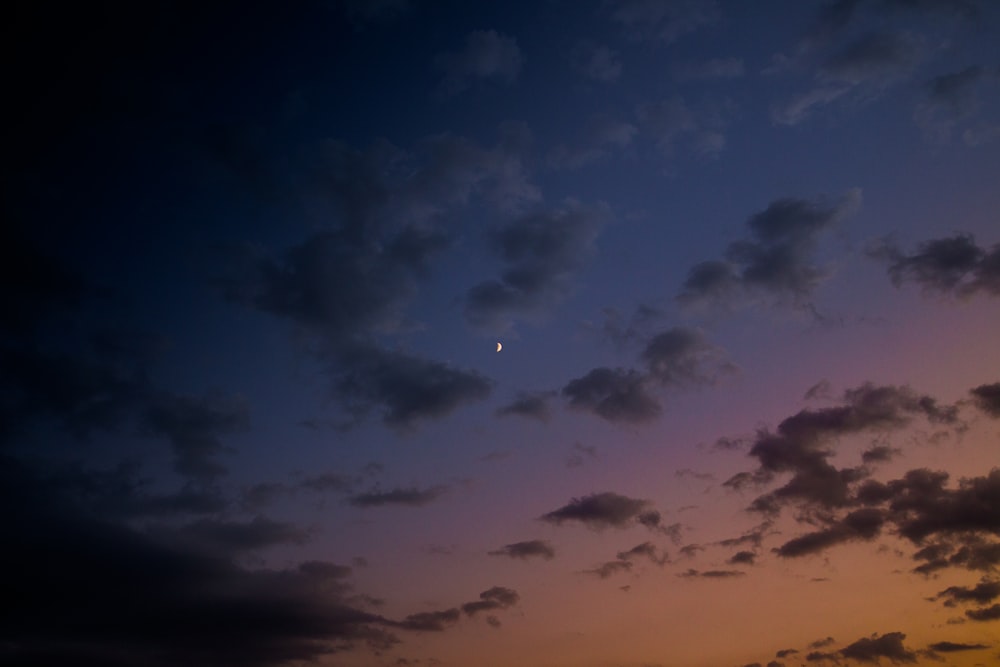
(599, 510)
(954, 266)
(526, 550)
(409, 497)
(487, 55)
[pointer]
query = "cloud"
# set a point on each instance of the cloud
(601, 138)
(954, 647)
(194, 426)
(712, 574)
(404, 388)
(541, 252)
(951, 100)
(430, 621)
(525, 550)
(985, 591)
(497, 597)
(879, 454)
(954, 266)
(776, 259)
(871, 649)
(598, 62)
(614, 394)
(487, 55)
(984, 614)
(409, 497)
(646, 550)
(227, 537)
(716, 68)
(599, 510)
(672, 120)
(742, 558)
(874, 57)
(663, 20)
(534, 405)
(863, 524)
(678, 357)
(799, 445)
(610, 568)
(987, 398)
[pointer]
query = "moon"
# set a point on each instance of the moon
(499, 347)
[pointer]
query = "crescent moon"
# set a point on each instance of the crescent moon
(499, 347)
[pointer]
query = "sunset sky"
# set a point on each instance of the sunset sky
(743, 259)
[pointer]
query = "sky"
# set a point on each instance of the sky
(259, 261)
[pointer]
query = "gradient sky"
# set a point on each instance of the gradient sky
(743, 259)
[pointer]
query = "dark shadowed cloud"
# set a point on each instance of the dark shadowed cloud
(872, 649)
(486, 55)
(194, 426)
(615, 394)
(863, 524)
(776, 261)
(985, 591)
(984, 614)
(987, 398)
(955, 266)
(599, 510)
(956, 647)
(497, 597)
(534, 405)
(711, 574)
(409, 497)
(540, 252)
(526, 550)
(609, 568)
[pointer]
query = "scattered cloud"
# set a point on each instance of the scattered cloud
(987, 398)
(872, 649)
(526, 550)
(487, 55)
(598, 62)
(955, 266)
(409, 497)
(534, 405)
(541, 251)
(663, 21)
(777, 258)
(599, 510)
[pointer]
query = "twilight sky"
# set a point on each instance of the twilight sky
(743, 259)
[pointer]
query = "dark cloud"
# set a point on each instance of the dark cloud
(954, 647)
(599, 510)
(409, 497)
(681, 356)
(742, 558)
(776, 260)
(863, 524)
(879, 454)
(487, 54)
(227, 537)
(497, 597)
(673, 121)
(404, 388)
(715, 68)
(526, 550)
(646, 550)
(614, 394)
(800, 444)
(949, 100)
(872, 649)
(712, 574)
(987, 398)
(874, 57)
(784, 653)
(610, 568)
(983, 592)
(529, 404)
(677, 357)
(922, 506)
(955, 266)
(194, 426)
(984, 614)
(822, 643)
(541, 252)
(430, 621)
(663, 20)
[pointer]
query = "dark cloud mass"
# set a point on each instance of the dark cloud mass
(776, 260)
(408, 497)
(540, 252)
(956, 647)
(526, 550)
(599, 510)
(872, 649)
(615, 394)
(987, 398)
(955, 266)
